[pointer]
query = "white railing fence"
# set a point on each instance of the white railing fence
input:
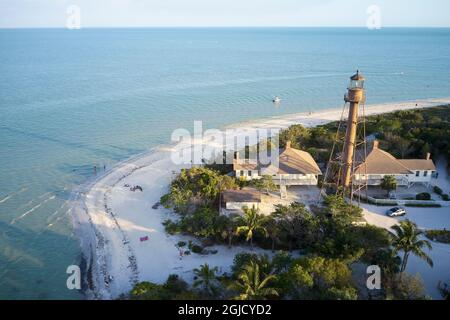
(401, 202)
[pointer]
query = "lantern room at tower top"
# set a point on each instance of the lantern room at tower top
(357, 81)
(356, 89)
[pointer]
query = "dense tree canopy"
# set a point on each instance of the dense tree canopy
(405, 134)
(194, 186)
(319, 278)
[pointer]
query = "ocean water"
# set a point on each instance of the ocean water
(74, 99)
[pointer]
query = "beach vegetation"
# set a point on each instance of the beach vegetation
(297, 226)
(389, 262)
(226, 226)
(265, 184)
(423, 205)
(319, 278)
(194, 187)
(423, 196)
(442, 236)
(438, 190)
(316, 140)
(249, 223)
(147, 291)
(407, 239)
(388, 183)
(406, 287)
(413, 133)
(206, 280)
(273, 230)
(173, 289)
(241, 260)
(252, 284)
(171, 227)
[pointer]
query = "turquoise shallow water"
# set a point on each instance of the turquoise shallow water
(72, 99)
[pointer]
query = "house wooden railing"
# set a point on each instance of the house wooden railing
(295, 181)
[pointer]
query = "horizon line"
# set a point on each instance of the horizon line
(229, 27)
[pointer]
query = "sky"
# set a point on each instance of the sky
(194, 13)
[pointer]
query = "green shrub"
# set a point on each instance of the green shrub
(445, 197)
(175, 285)
(174, 288)
(423, 205)
(181, 244)
(147, 291)
(380, 204)
(423, 196)
(437, 190)
(171, 227)
(442, 236)
(197, 249)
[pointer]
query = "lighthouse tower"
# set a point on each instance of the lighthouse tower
(355, 96)
(350, 137)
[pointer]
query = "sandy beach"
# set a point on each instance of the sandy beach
(110, 219)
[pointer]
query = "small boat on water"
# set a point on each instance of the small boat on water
(277, 99)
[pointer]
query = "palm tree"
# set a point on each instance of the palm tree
(388, 183)
(252, 285)
(406, 238)
(273, 230)
(206, 279)
(231, 228)
(250, 222)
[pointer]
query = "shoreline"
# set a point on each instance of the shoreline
(108, 218)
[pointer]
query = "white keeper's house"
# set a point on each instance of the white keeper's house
(294, 168)
(233, 201)
(380, 163)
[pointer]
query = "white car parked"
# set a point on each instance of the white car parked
(396, 212)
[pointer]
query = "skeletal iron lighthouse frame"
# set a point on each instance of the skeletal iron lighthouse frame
(352, 143)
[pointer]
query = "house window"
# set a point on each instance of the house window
(425, 173)
(417, 173)
(249, 173)
(241, 173)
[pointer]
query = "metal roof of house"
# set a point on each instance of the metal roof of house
(293, 161)
(381, 162)
(290, 161)
(418, 164)
(244, 164)
(244, 195)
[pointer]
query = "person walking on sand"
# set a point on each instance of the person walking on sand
(181, 254)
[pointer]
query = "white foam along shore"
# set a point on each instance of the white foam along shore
(110, 219)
